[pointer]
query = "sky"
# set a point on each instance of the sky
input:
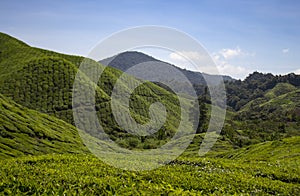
(240, 36)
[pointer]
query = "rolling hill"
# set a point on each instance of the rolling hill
(42, 153)
(282, 104)
(256, 85)
(28, 132)
(43, 80)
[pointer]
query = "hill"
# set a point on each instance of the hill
(36, 119)
(280, 89)
(28, 132)
(126, 60)
(281, 104)
(256, 85)
(43, 80)
(287, 149)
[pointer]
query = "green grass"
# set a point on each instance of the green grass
(278, 108)
(286, 101)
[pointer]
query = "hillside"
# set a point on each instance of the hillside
(41, 151)
(28, 132)
(287, 150)
(282, 104)
(279, 89)
(256, 85)
(43, 80)
(126, 60)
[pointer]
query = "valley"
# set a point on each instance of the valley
(41, 151)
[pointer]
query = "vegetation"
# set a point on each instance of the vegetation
(276, 174)
(43, 80)
(126, 60)
(239, 93)
(28, 132)
(257, 153)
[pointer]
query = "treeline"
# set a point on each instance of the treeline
(239, 93)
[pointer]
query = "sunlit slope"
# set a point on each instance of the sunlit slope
(280, 104)
(87, 175)
(28, 132)
(43, 80)
(287, 149)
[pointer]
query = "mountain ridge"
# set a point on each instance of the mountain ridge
(126, 60)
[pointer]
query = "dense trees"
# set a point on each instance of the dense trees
(239, 93)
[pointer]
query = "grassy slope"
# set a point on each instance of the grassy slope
(80, 174)
(287, 101)
(280, 89)
(272, 117)
(43, 80)
(278, 104)
(27, 132)
(266, 168)
(278, 150)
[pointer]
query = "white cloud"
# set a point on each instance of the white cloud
(184, 55)
(228, 53)
(225, 68)
(222, 62)
(285, 50)
(185, 60)
(297, 71)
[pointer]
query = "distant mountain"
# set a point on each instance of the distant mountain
(126, 60)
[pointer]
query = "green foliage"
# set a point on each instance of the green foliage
(287, 149)
(276, 174)
(43, 80)
(36, 92)
(280, 89)
(239, 93)
(28, 132)
(282, 108)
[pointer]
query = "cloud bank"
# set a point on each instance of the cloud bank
(222, 59)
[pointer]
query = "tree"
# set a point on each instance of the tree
(200, 124)
(202, 113)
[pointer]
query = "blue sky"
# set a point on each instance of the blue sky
(241, 36)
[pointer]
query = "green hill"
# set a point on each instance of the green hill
(28, 132)
(259, 85)
(282, 104)
(36, 119)
(280, 89)
(274, 115)
(43, 80)
(287, 149)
